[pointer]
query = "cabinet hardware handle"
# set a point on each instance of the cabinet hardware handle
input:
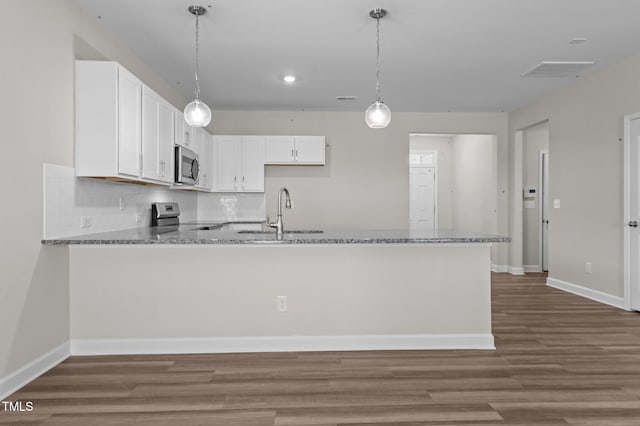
(292, 157)
(633, 224)
(296, 155)
(235, 182)
(242, 182)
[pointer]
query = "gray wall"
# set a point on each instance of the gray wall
(585, 173)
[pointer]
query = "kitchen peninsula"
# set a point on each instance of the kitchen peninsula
(192, 290)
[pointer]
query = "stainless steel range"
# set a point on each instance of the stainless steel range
(165, 214)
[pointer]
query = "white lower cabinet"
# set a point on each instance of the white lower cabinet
(301, 150)
(240, 163)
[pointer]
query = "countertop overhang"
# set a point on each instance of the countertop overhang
(190, 234)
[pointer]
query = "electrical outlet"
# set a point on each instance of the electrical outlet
(281, 304)
(556, 203)
(587, 267)
(122, 202)
(139, 217)
(85, 222)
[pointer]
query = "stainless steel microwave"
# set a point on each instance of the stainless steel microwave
(187, 166)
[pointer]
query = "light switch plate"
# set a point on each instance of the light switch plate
(556, 203)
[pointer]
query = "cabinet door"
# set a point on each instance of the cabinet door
(309, 149)
(129, 123)
(157, 137)
(150, 154)
(252, 164)
(213, 169)
(183, 132)
(279, 149)
(229, 165)
(165, 140)
(202, 143)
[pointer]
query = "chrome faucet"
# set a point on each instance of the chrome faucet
(287, 205)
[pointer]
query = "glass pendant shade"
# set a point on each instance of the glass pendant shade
(378, 115)
(197, 114)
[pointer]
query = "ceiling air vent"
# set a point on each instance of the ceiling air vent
(558, 69)
(347, 98)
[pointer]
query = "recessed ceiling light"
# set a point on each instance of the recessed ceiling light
(289, 78)
(578, 40)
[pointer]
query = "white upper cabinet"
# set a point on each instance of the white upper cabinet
(108, 120)
(301, 150)
(240, 163)
(157, 137)
(129, 122)
(252, 164)
(183, 132)
(203, 146)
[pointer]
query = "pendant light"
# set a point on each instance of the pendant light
(197, 113)
(378, 115)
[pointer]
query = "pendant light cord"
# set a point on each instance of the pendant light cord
(378, 96)
(197, 55)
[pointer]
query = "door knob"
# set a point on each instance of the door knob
(633, 224)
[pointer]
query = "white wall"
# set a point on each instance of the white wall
(535, 138)
(474, 185)
(39, 41)
(585, 173)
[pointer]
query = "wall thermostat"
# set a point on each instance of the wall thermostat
(529, 192)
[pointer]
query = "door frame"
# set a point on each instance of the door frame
(627, 208)
(541, 195)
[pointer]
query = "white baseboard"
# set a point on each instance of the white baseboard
(499, 268)
(579, 290)
(532, 268)
(280, 344)
(516, 270)
(33, 370)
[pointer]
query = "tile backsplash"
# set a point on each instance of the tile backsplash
(231, 206)
(110, 206)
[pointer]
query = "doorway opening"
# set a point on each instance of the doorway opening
(423, 198)
(535, 197)
(453, 182)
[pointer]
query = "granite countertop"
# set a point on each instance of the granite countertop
(255, 233)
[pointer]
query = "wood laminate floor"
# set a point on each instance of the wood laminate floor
(560, 359)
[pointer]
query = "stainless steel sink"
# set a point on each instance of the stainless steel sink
(232, 226)
(208, 227)
(292, 231)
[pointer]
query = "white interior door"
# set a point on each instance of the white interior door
(632, 211)
(544, 210)
(422, 198)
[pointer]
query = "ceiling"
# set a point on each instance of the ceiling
(436, 55)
